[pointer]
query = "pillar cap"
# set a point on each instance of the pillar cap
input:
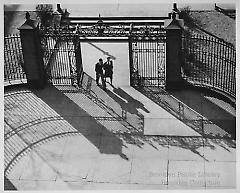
(29, 23)
(57, 13)
(174, 24)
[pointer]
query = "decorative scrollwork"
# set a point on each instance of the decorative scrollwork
(161, 63)
(107, 30)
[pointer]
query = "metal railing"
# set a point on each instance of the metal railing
(148, 62)
(14, 69)
(60, 56)
(209, 62)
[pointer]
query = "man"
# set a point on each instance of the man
(108, 67)
(99, 72)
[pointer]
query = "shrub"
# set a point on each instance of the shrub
(188, 20)
(45, 13)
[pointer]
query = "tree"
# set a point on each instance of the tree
(45, 13)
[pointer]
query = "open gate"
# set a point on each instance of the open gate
(62, 57)
(147, 62)
(145, 35)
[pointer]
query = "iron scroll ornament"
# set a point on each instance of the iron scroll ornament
(100, 29)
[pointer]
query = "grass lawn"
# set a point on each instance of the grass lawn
(217, 24)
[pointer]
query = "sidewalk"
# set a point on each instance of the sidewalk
(67, 138)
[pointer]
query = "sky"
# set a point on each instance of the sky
(119, 7)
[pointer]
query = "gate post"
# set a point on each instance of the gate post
(130, 60)
(32, 53)
(78, 56)
(173, 28)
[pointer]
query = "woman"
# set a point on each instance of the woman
(108, 68)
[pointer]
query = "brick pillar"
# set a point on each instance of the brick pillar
(173, 52)
(32, 53)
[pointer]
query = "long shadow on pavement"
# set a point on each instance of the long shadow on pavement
(217, 115)
(93, 130)
(211, 140)
(138, 138)
(133, 103)
(130, 106)
(188, 111)
(101, 50)
(82, 121)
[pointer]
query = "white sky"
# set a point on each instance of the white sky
(162, 4)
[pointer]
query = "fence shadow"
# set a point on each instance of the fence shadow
(82, 121)
(84, 124)
(131, 106)
(190, 112)
(138, 138)
(131, 101)
(198, 102)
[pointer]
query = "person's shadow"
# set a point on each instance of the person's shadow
(132, 103)
(131, 106)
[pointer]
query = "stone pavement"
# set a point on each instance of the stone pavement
(64, 137)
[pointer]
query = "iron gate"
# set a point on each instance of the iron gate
(147, 63)
(146, 37)
(62, 58)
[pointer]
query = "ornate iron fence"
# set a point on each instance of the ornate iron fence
(209, 62)
(61, 56)
(13, 59)
(62, 51)
(148, 62)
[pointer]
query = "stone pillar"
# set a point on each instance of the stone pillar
(173, 52)
(32, 53)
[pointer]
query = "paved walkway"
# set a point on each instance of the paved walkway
(68, 138)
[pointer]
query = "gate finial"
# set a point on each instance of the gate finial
(175, 12)
(175, 7)
(99, 20)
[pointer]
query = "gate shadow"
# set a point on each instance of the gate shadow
(191, 143)
(198, 102)
(94, 131)
(198, 120)
(100, 49)
(131, 101)
(130, 106)
(81, 121)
